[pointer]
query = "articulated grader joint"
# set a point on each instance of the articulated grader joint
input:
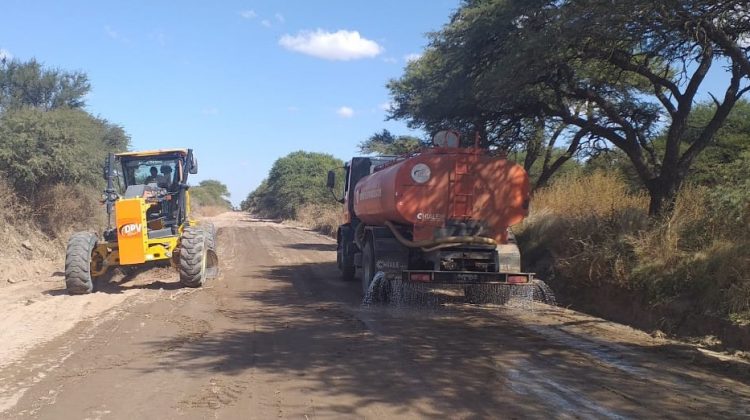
(147, 196)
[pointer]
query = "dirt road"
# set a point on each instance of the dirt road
(280, 335)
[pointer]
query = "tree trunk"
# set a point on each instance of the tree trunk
(663, 195)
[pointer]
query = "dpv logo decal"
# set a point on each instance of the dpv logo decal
(130, 229)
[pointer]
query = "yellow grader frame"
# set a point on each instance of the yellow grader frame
(152, 222)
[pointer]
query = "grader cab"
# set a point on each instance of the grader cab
(147, 196)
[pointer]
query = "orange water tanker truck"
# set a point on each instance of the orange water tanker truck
(439, 216)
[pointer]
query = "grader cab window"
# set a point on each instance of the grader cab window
(162, 172)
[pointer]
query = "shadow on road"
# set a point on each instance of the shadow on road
(313, 247)
(305, 326)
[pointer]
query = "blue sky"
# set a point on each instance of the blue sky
(241, 82)
(217, 77)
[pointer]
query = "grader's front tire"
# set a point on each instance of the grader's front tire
(78, 280)
(193, 257)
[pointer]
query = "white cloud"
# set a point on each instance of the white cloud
(280, 18)
(211, 110)
(248, 14)
(412, 57)
(5, 55)
(340, 45)
(345, 112)
(266, 23)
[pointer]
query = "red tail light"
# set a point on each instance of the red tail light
(517, 279)
(423, 277)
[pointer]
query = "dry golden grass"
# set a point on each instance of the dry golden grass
(21, 231)
(322, 218)
(599, 194)
(594, 232)
(62, 209)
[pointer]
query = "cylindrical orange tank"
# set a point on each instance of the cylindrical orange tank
(441, 189)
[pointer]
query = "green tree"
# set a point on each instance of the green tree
(294, 180)
(732, 142)
(612, 73)
(29, 84)
(211, 192)
(385, 143)
(43, 148)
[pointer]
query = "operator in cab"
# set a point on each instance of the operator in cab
(165, 179)
(153, 178)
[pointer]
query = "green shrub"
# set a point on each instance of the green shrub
(294, 181)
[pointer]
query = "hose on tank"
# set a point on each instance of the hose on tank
(434, 244)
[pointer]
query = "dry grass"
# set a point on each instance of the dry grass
(208, 211)
(62, 209)
(599, 194)
(23, 239)
(322, 218)
(590, 231)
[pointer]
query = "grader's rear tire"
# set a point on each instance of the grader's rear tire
(78, 280)
(210, 232)
(193, 257)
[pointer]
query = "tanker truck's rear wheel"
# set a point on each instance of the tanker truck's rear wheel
(368, 264)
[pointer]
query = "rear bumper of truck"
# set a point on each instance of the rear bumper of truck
(465, 277)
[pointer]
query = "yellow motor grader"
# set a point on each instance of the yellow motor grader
(147, 196)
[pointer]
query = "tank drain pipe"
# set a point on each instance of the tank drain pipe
(434, 244)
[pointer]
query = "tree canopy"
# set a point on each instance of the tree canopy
(29, 84)
(211, 192)
(385, 143)
(46, 138)
(294, 181)
(598, 73)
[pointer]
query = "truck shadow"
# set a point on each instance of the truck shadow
(306, 326)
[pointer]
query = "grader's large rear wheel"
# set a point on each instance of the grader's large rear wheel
(210, 231)
(193, 257)
(78, 280)
(212, 262)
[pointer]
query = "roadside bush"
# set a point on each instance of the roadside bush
(62, 209)
(12, 209)
(589, 231)
(322, 218)
(42, 148)
(294, 181)
(210, 193)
